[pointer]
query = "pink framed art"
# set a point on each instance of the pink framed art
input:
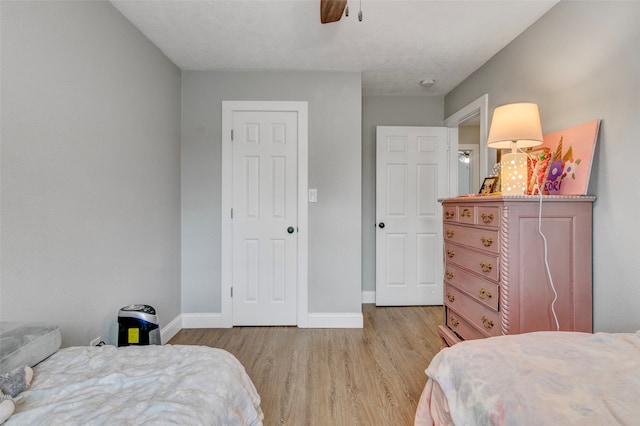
(562, 164)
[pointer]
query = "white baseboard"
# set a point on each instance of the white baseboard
(204, 320)
(171, 329)
(336, 320)
(368, 297)
(315, 320)
(214, 320)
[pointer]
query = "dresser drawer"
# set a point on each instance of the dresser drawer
(485, 264)
(467, 214)
(484, 239)
(450, 213)
(488, 216)
(461, 327)
(483, 291)
(475, 314)
(472, 215)
(459, 214)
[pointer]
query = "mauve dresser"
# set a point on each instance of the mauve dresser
(495, 279)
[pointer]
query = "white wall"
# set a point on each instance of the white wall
(581, 62)
(334, 169)
(386, 111)
(90, 169)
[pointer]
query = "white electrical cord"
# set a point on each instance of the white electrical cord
(546, 258)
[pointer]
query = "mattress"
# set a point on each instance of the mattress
(139, 385)
(541, 378)
(26, 344)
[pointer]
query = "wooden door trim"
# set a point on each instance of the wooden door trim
(226, 267)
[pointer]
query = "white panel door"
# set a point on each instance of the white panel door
(412, 172)
(264, 217)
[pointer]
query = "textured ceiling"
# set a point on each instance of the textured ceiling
(397, 44)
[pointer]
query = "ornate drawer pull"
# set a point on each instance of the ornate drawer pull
(486, 241)
(486, 323)
(450, 233)
(451, 253)
(484, 294)
(451, 298)
(449, 275)
(449, 215)
(466, 213)
(453, 321)
(487, 218)
(486, 267)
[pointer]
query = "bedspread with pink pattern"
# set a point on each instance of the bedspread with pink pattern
(542, 378)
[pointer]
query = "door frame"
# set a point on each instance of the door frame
(226, 269)
(478, 107)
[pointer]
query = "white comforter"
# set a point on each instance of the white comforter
(139, 385)
(544, 378)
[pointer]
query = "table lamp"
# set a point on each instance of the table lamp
(514, 126)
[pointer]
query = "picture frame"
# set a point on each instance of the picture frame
(488, 185)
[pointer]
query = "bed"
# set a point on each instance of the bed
(541, 378)
(134, 385)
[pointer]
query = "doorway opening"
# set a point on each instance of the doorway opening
(472, 124)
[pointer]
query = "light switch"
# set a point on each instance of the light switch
(313, 195)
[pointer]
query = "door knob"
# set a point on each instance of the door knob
(381, 225)
(290, 229)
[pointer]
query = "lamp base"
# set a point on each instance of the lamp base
(513, 174)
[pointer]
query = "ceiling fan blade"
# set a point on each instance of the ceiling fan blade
(331, 10)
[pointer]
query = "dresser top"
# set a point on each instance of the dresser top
(474, 198)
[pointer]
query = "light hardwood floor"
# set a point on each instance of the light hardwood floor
(369, 376)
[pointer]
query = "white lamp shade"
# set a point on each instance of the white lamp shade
(519, 123)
